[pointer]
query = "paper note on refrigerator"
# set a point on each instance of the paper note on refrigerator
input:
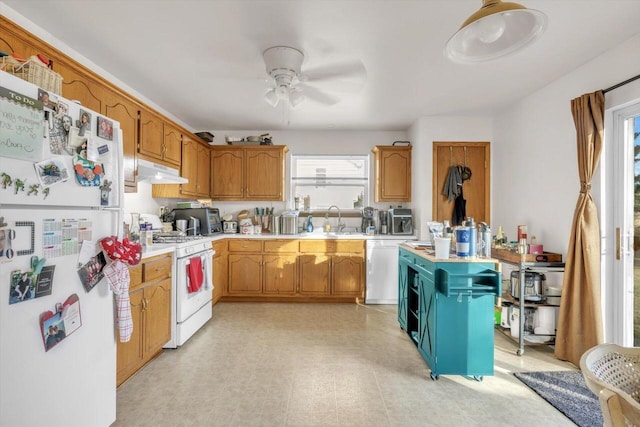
(21, 126)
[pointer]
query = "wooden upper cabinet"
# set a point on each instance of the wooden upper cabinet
(159, 140)
(125, 112)
(172, 144)
(264, 174)
(76, 86)
(189, 166)
(227, 180)
(151, 143)
(248, 173)
(194, 166)
(392, 173)
(203, 178)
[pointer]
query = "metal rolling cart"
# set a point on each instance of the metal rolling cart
(544, 263)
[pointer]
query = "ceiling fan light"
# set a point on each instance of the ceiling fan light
(497, 29)
(295, 98)
(272, 97)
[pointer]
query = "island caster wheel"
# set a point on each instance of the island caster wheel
(520, 352)
(478, 378)
(434, 377)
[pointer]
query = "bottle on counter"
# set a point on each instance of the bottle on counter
(309, 225)
(473, 236)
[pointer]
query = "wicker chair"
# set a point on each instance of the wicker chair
(613, 374)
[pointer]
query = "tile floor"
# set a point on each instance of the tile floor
(270, 364)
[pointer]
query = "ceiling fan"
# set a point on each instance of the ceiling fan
(290, 85)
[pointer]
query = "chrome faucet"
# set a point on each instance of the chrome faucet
(340, 225)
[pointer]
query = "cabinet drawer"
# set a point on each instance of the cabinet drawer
(156, 268)
(135, 276)
(288, 245)
(245, 245)
(407, 256)
(425, 265)
(332, 246)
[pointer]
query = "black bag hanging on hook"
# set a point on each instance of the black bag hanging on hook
(459, 209)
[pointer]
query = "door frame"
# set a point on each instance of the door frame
(617, 213)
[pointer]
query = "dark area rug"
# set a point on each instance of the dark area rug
(568, 393)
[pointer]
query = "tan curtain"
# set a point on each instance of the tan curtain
(580, 320)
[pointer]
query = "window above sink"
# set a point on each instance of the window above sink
(327, 180)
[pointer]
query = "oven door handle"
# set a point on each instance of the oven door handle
(207, 266)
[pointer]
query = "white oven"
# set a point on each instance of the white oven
(193, 290)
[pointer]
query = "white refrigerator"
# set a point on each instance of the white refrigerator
(56, 368)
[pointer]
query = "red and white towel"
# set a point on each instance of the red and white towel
(117, 275)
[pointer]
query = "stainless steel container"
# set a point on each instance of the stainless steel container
(289, 224)
(274, 227)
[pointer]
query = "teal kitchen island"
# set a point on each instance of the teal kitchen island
(446, 306)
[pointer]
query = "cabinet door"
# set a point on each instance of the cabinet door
(315, 274)
(172, 145)
(157, 316)
(189, 166)
(220, 269)
(76, 86)
(476, 156)
(245, 274)
(203, 178)
(227, 174)
(427, 319)
(125, 112)
(263, 174)
(151, 141)
(280, 274)
(348, 275)
(403, 289)
(130, 355)
(393, 174)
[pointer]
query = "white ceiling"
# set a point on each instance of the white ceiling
(201, 60)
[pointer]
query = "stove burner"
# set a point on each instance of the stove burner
(174, 238)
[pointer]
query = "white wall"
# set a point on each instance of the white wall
(423, 133)
(535, 176)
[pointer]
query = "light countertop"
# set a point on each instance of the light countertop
(163, 248)
(429, 254)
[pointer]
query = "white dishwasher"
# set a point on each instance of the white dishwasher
(382, 270)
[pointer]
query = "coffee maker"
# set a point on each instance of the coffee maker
(401, 221)
(368, 219)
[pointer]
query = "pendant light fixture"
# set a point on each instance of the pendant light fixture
(497, 29)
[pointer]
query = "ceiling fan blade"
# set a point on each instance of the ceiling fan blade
(353, 71)
(317, 95)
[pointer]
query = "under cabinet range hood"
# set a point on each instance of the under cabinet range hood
(158, 174)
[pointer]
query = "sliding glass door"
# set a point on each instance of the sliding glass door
(622, 287)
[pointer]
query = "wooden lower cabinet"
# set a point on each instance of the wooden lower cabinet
(279, 274)
(290, 268)
(315, 275)
(340, 275)
(245, 274)
(347, 275)
(150, 295)
(220, 269)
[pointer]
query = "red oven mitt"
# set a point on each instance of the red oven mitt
(126, 251)
(194, 272)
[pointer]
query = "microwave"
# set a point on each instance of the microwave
(209, 218)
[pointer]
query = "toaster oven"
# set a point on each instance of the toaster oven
(209, 218)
